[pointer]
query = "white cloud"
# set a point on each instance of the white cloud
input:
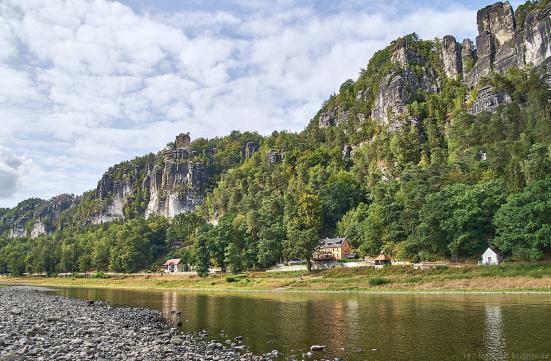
(86, 84)
(12, 168)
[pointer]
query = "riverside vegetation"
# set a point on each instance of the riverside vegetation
(505, 278)
(428, 175)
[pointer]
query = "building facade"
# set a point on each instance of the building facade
(332, 249)
(491, 257)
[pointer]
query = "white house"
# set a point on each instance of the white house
(173, 265)
(490, 257)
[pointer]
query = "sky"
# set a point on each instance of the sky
(87, 84)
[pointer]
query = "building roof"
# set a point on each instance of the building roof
(382, 257)
(173, 261)
(492, 249)
(331, 242)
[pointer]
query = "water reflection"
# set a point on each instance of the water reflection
(170, 302)
(494, 339)
(355, 326)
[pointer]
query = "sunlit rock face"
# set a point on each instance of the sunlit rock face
(46, 219)
(174, 186)
(451, 57)
(171, 184)
(502, 44)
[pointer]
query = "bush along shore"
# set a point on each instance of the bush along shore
(37, 326)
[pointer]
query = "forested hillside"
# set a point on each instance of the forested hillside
(437, 150)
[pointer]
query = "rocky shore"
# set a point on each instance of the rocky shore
(35, 325)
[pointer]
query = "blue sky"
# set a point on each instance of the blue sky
(86, 84)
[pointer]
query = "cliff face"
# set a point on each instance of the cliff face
(171, 182)
(46, 219)
(175, 179)
(175, 186)
(34, 216)
(501, 44)
(411, 73)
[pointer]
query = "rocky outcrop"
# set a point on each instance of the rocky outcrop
(248, 150)
(183, 141)
(115, 192)
(46, 219)
(396, 90)
(487, 100)
(34, 216)
(329, 118)
(172, 183)
(333, 117)
(274, 156)
(501, 44)
(174, 187)
(534, 36)
(346, 151)
(403, 55)
(451, 57)
(468, 56)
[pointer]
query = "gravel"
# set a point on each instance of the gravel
(35, 325)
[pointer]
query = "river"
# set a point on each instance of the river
(360, 326)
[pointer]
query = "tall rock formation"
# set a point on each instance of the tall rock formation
(397, 88)
(501, 43)
(174, 185)
(171, 183)
(452, 57)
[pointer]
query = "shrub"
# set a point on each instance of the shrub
(100, 275)
(378, 281)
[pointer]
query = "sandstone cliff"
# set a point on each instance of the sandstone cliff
(503, 42)
(169, 183)
(35, 216)
(409, 70)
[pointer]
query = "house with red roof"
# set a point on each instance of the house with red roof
(173, 265)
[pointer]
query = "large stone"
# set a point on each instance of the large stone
(468, 55)
(274, 156)
(174, 187)
(496, 39)
(183, 140)
(501, 44)
(347, 151)
(173, 183)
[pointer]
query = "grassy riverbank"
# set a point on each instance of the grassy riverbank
(510, 278)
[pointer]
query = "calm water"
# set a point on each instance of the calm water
(360, 326)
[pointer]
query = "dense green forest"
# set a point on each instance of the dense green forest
(446, 185)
